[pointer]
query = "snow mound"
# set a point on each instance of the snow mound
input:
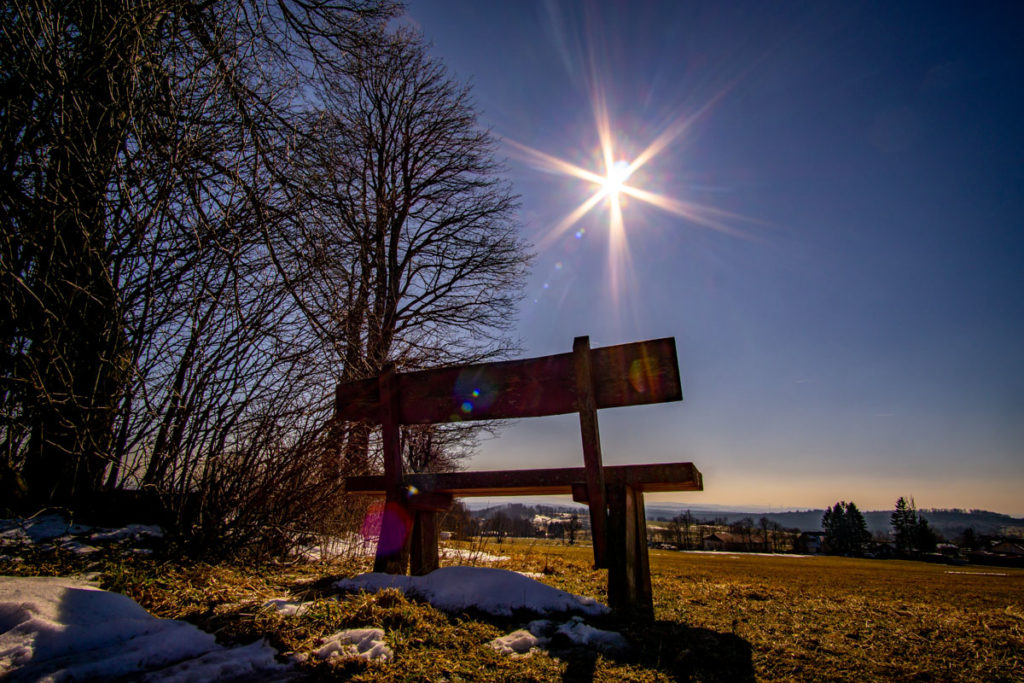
(357, 643)
(495, 591)
(579, 633)
(543, 634)
(58, 629)
(519, 643)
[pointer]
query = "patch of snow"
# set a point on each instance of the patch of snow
(335, 547)
(14, 536)
(519, 643)
(41, 528)
(579, 633)
(532, 575)
(287, 607)
(464, 555)
(78, 548)
(541, 634)
(357, 643)
(63, 629)
(494, 591)
(733, 554)
(254, 662)
(51, 532)
(132, 532)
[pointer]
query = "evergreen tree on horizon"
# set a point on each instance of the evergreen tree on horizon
(911, 531)
(846, 530)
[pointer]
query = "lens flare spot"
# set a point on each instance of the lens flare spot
(642, 375)
(476, 393)
(389, 523)
(467, 407)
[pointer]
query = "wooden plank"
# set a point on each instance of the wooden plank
(591, 448)
(644, 596)
(423, 558)
(636, 374)
(626, 374)
(629, 577)
(678, 476)
(392, 546)
(618, 571)
(428, 500)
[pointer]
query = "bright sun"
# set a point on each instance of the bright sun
(616, 178)
(614, 185)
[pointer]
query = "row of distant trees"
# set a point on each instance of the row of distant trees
(211, 213)
(846, 531)
(688, 531)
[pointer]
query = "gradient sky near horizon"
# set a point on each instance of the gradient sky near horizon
(844, 274)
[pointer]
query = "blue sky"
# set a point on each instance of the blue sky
(855, 329)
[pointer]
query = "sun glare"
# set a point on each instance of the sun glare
(616, 178)
(614, 184)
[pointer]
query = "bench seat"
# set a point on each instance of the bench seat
(678, 476)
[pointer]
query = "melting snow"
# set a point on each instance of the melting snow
(470, 555)
(494, 591)
(521, 642)
(542, 634)
(56, 531)
(58, 629)
(287, 607)
(359, 643)
(62, 629)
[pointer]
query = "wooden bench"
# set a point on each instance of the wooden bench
(629, 583)
(581, 381)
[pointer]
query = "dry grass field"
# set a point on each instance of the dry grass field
(719, 617)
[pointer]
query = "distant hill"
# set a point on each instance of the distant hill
(950, 523)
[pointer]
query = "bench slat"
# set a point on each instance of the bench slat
(678, 476)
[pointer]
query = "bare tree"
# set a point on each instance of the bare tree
(147, 331)
(409, 252)
(572, 527)
(764, 524)
(687, 522)
(80, 81)
(212, 212)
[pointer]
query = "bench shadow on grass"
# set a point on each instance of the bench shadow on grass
(679, 651)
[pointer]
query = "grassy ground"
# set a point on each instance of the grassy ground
(724, 617)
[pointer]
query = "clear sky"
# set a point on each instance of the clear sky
(849, 317)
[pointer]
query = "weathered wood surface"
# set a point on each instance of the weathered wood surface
(629, 573)
(587, 405)
(391, 557)
(628, 374)
(677, 476)
(423, 557)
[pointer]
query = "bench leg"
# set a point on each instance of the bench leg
(423, 559)
(629, 572)
(393, 545)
